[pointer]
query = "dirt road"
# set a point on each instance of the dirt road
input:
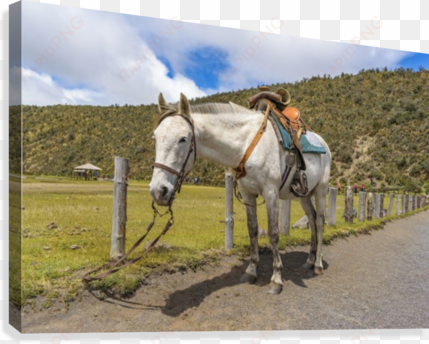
(372, 281)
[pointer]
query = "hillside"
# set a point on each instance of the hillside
(376, 124)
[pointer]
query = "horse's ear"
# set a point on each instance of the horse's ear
(162, 104)
(184, 107)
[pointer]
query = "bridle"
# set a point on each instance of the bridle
(192, 149)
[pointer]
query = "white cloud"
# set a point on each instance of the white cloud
(82, 56)
(273, 58)
(41, 89)
(87, 56)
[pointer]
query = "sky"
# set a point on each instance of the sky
(76, 56)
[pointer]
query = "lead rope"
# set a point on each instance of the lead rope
(116, 265)
(239, 198)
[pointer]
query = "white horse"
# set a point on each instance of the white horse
(222, 133)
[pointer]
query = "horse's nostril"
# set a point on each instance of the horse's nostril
(164, 191)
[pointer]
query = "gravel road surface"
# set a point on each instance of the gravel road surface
(371, 281)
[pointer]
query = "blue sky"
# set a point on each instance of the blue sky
(207, 62)
(77, 56)
(415, 61)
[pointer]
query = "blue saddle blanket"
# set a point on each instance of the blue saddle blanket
(310, 143)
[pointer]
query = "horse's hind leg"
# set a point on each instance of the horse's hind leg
(252, 225)
(320, 196)
(311, 214)
(272, 202)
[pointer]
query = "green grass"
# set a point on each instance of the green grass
(82, 212)
(15, 266)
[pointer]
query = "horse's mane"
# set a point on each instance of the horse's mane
(210, 109)
(217, 108)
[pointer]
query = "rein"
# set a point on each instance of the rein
(116, 265)
(239, 198)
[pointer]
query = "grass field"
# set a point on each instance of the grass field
(82, 211)
(15, 247)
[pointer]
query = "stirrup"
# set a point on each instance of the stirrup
(299, 185)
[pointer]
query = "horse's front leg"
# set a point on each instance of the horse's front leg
(252, 225)
(272, 203)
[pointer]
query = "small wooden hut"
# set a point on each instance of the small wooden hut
(87, 172)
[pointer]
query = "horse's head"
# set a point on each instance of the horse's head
(174, 149)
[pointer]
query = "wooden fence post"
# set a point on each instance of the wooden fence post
(362, 206)
(332, 211)
(120, 180)
(414, 202)
(390, 210)
(285, 209)
(404, 201)
(381, 210)
(418, 202)
(410, 201)
(377, 206)
(398, 204)
(407, 203)
(348, 212)
(229, 211)
(370, 206)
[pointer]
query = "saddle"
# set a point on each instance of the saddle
(293, 115)
(290, 119)
(290, 115)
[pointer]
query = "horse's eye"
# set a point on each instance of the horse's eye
(183, 139)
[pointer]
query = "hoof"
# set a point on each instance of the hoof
(275, 289)
(246, 278)
(308, 266)
(318, 271)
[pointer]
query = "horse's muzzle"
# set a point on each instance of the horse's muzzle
(161, 194)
